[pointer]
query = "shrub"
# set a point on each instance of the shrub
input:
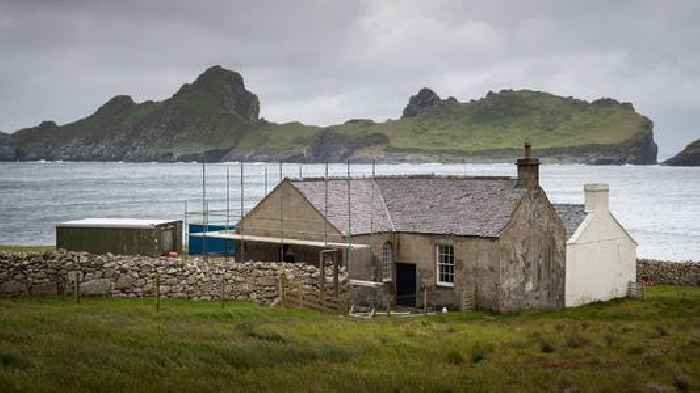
(479, 353)
(455, 358)
(546, 346)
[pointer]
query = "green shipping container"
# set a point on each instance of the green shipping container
(120, 236)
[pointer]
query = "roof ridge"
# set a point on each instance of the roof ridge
(409, 176)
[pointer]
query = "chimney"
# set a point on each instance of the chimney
(528, 170)
(596, 196)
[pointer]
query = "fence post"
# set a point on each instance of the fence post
(336, 268)
(76, 289)
(156, 290)
(301, 292)
(322, 279)
(280, 282)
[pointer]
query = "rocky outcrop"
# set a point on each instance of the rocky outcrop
(225, 91)
(424, 100)
(638, 150)
(689, 156)
(332, 146)
(8, 148)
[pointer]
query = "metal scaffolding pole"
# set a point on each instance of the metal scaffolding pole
(228, 211)
(265, 178)
(281, 218)
(349, 241)
(240, 219)
(371, 213)
(205, 219)
(325, 207)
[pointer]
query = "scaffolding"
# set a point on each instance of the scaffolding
(222, 222)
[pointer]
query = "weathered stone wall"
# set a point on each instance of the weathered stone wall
(55, 273)
(674, 273)
(533, 257)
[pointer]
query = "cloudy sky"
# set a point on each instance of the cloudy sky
(322, 62)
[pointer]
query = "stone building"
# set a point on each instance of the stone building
(494, 242)
(601, 255)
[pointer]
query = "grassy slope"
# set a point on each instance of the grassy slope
(279, 137)
(499, 121)
(105, 345)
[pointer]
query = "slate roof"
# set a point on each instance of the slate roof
(572, 216)
(464, 206)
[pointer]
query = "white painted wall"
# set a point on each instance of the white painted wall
(600, 255)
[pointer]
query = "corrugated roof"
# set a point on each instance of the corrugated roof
(466, 206)
(572, 215)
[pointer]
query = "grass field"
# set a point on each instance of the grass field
(110, 345)
(14, 248)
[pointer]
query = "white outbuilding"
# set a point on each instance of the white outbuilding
(600, 254)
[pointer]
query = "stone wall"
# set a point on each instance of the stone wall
(55, 273)
(674, 273)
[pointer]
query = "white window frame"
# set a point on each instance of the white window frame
(387, 260)
(439, 262)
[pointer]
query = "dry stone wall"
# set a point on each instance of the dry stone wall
(56, 273)
(674, 273)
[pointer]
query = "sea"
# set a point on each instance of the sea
(659, 205)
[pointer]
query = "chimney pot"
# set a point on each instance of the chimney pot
(596, 197)
(528, 170)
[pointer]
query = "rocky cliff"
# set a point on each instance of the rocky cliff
(424, 100)
(689, 156)
(209, 114)
(216, 118)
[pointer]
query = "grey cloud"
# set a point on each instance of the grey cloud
(322, 62)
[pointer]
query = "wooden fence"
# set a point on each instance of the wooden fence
(295, 293)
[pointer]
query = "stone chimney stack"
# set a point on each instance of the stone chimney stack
(596, 197)
(528, 170)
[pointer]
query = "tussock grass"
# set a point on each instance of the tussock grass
(111, 345)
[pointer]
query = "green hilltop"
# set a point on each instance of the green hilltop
(218, 116)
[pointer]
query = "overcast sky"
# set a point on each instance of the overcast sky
(323, 62)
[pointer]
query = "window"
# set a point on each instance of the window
(387, 261)
(445, 264)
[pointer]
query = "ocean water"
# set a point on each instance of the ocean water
(660, 206)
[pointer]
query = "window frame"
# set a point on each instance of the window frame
(438, 264)
(387, 261)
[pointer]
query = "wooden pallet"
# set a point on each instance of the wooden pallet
(467, 300)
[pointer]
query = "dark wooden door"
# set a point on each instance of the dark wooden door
(406, 284)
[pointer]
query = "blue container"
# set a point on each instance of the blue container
(214, 246)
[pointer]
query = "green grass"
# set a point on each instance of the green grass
(110, 345)
(13, 248)
(279, 137)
